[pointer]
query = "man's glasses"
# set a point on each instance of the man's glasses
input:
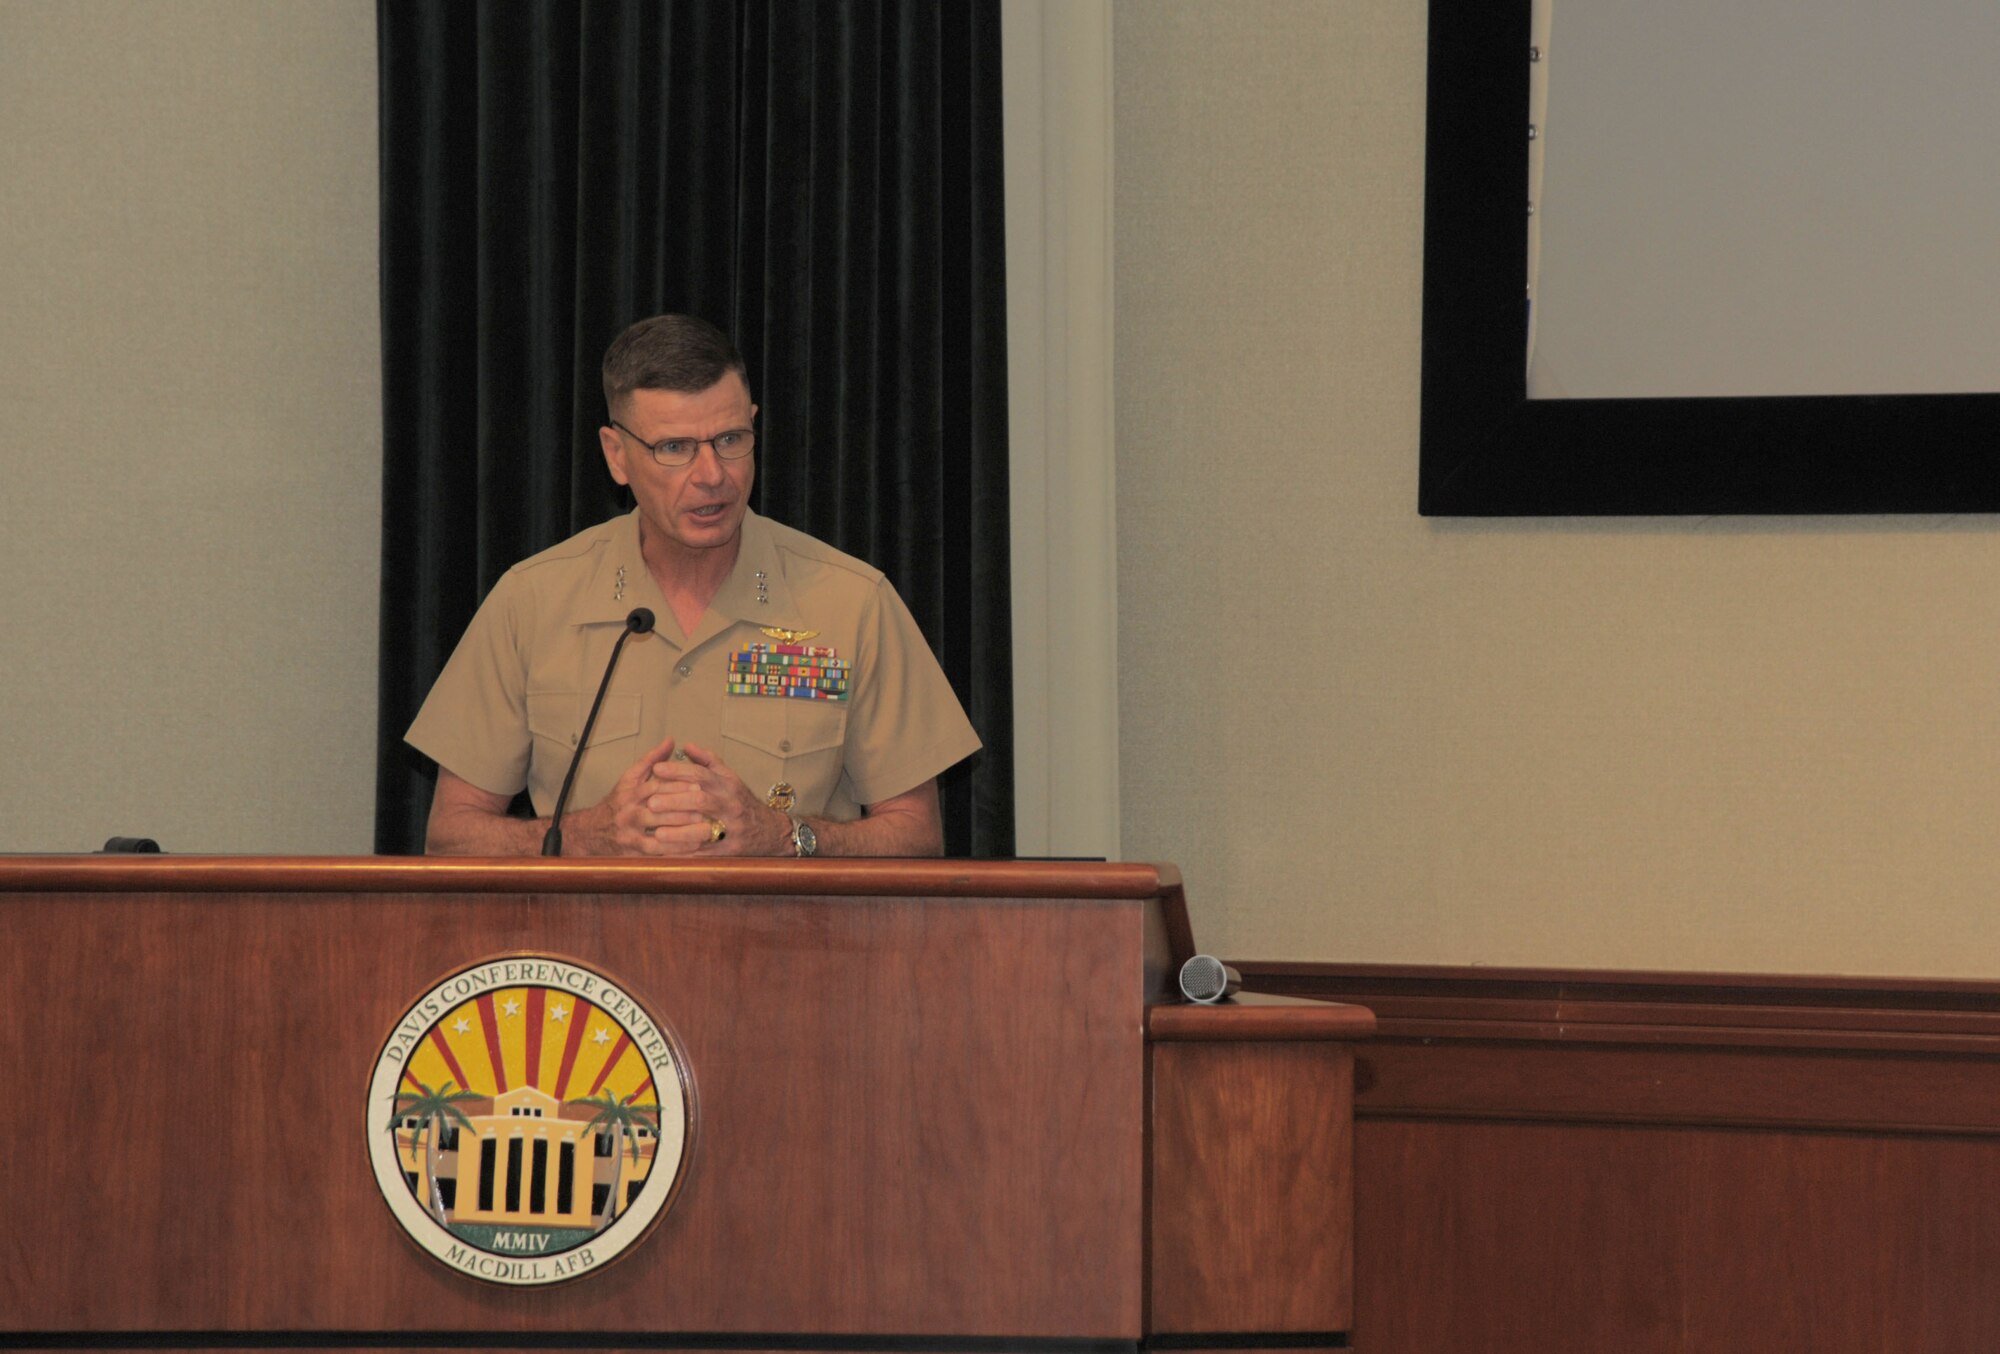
(675, 452)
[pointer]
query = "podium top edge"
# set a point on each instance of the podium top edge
(462, 874)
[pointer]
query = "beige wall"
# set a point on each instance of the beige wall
(1737, 745)
(190, 423)
(1749, 745)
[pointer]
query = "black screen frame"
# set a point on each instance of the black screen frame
(1486, 450)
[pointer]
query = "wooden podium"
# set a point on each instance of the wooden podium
(936, 1104)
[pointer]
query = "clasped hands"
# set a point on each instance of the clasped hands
(691, 804)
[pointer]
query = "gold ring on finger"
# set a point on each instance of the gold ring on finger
(716, 831)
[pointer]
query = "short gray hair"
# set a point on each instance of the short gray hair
(669, 352)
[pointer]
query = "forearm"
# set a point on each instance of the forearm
(465, 831)
(908, 824)
(879, 834)
(458, 828)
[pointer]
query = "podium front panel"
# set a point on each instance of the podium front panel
(913, 1115)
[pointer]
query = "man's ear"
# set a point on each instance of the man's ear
(614, 453)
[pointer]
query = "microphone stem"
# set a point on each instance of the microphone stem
(552, 839)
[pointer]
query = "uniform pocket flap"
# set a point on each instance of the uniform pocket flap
(558, 716)
(784, 728)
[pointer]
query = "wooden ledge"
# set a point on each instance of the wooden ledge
(459, 874)
(1254, 1017)
(1748, 1011)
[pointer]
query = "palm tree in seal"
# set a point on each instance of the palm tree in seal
(618, 1117)
(431, 1109)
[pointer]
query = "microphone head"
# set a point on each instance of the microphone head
(640, 621)
(1206, 979)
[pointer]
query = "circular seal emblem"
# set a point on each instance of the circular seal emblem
(528, 1120)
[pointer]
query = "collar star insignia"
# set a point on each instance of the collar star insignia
(784, 636)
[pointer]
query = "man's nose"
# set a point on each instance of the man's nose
(706, 468)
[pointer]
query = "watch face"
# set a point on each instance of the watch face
(807, 839)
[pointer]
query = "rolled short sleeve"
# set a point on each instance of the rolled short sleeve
(905, 724)
(474, 723)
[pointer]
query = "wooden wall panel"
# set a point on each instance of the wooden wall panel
(1591, 1162)
(1554, 1238)
(1671, 1084)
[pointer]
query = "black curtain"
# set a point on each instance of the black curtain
(823, 180)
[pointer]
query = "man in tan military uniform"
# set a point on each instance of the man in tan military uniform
(785, 702)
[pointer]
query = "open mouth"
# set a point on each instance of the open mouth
(709, 512)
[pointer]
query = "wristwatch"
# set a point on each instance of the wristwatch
(805, 842)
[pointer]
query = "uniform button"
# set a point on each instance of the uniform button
(684, 670)
(784, 745)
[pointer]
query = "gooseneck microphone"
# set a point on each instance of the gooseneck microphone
(637, 623)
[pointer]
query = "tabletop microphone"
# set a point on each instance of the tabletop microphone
(1207, 980)
(637, 623)
(125, 846)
